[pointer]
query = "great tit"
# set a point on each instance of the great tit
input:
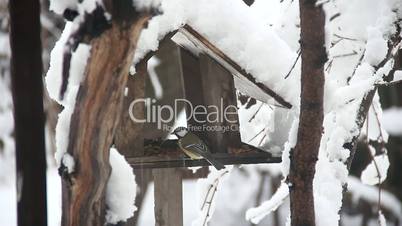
(194, 147)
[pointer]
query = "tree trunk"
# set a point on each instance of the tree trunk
(305, 153)
(96, 114)
(27, 89)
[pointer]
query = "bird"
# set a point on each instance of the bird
(194, 147)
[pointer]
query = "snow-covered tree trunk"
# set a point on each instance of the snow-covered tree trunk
(96, 113)
(305, 153)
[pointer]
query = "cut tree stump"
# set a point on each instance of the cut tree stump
(96, 115)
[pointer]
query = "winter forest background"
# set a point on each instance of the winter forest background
(362, 41)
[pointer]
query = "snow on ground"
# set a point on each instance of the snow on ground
(8, 196)
(8, 206)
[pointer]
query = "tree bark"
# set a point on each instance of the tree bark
(96, 114)
(27, 89)
(305, 153)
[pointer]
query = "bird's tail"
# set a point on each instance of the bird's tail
(215, 163)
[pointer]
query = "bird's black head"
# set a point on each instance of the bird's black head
(180, 131)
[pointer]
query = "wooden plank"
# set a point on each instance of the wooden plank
(168, 195)
(244, 81)
(163, 91)
(170, 156)
(129, 134)
(193, 90)
(199, 173)
(182, 161)
(129, 139)
(220, 98)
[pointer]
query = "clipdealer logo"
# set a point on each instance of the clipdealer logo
(211, 114)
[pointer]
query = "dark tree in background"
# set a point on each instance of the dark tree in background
(305, 153)
(27, 89)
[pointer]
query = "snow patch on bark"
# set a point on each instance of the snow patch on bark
(121, 190)
(79, 60)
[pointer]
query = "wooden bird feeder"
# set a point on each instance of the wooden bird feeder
(207, 76)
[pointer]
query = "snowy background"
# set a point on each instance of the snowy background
(357, 36)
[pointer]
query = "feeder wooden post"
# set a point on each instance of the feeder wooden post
(168, 197)
(129, 139)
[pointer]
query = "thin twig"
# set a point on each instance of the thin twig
(336, 42)
(336, 15)
(210, 188)
(262, 139)
(205, 200)
(388, 83)
(256, 135)
(208, 201)
(379, 179)
(255, 113)
(321, 2)
(379, 127)
(367, 127)
(294, 64)
(209, 205)
(357, 65)
(329, 66)
(347, 38)
(375, 164)
(345, 54)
